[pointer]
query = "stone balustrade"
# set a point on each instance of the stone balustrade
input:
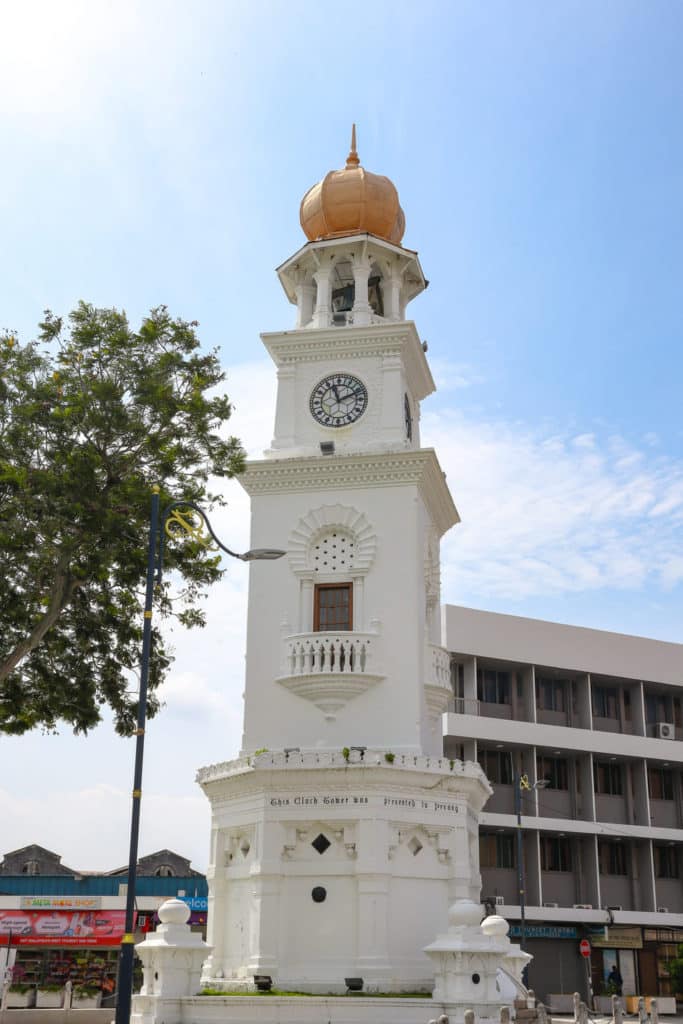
(329, 653)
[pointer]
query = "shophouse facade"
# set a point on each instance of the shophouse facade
(59, 924)
(588, 725)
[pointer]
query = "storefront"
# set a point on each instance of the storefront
(557, 967)
(50, 940)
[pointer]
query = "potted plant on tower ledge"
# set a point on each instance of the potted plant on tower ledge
(20, 996)
(86, 997)
(49, 996)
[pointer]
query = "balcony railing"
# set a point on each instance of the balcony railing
(438, 667)
(329, 653)
(330, 669)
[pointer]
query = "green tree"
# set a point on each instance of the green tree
(92, 415)
(675, 971)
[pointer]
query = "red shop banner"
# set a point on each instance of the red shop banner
(62, 927)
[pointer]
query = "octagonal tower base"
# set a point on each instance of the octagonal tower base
(333, 865)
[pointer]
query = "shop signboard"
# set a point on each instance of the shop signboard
(543, 931)
(60, 902)
(62, 928)
(619, 937)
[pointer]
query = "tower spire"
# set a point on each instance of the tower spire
(352, 159)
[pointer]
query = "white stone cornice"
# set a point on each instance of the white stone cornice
(330, 343)
(328, 472)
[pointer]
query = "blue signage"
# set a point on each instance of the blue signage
(196, 903)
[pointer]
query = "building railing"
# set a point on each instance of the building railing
(466, 706)
(329, 653)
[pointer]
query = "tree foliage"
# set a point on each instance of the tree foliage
(92, 415)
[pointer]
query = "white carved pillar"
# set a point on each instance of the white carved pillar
(285, 410)
(305, 296)
(392, 295)
(392, 399)
(361, 305)
(306, 606)
(321, 316)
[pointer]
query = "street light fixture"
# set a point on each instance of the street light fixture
(177, 519)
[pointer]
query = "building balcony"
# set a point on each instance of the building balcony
(331, 668)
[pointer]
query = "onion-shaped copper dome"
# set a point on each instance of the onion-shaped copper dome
(350, 201)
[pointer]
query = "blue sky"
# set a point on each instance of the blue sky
(157, 153)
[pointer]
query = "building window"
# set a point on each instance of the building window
(660, 782)
(556, 854)
(666, 862)
(605, 701)
(608, 779)
(31, 867)
(493, 687)
(656, 708)
(496, 851)
(553, 770)
(496, 766)
(333, 607)
(164, 871)
(612, 858)
(550, 694)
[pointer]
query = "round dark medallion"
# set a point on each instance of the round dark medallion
(319, 894)
(476, 979)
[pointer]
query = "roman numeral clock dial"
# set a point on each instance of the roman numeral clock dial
(338, 400)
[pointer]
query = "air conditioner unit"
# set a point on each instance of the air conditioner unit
(583, 906)
(552, 906)
(662, 910)
(666, 731)
(500, 901)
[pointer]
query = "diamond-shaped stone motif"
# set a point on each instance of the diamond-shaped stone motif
(321, 843)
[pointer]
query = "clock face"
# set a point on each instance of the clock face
(338, 400)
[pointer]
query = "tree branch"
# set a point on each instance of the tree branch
(63, 589)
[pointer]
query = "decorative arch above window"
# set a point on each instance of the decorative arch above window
(332, 540)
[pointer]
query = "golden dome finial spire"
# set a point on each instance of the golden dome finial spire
(352, 159)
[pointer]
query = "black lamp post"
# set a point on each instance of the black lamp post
(520, 782)
(177, 518)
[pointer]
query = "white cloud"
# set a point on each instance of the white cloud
(87, 826)
(552, 514)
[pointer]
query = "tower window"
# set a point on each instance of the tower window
(612, 858)
(556, 854)
(550, 694)
(493, 687)
(553, 770)
(496, 851)
(608, 779)
(333, 607)
(660, 783)
(605, 701)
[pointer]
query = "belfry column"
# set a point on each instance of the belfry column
(321, 316)
(361, 305)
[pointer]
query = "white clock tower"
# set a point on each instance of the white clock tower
(341, 834)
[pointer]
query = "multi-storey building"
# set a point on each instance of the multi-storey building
(579, 730)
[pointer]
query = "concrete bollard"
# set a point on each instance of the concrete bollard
(583, 1013)
(542, 1015)
(642, 1012)
(617, 1010)
(654, 1012)
(443, 1019)
(577, 1003)
(505, 1015)
(469, 1016)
